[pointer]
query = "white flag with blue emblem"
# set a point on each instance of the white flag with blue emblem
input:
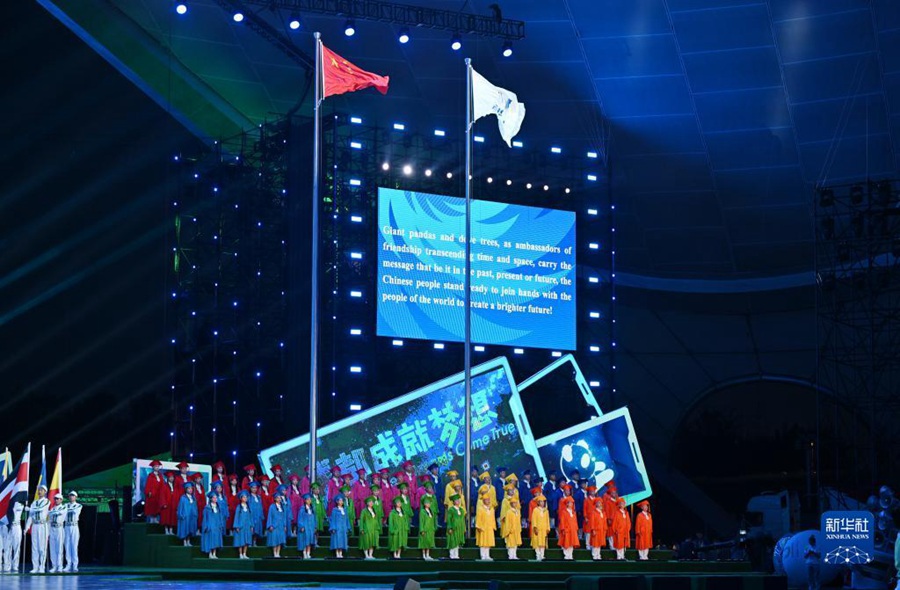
(488, 99)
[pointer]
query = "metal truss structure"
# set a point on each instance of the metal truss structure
(858, 314)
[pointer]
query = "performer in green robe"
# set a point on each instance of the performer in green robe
(379, 506)
(456, 526)
(318, 506)
(406, 503)
(369, 528)
(398, 528)
(427, 526)
(351, 510)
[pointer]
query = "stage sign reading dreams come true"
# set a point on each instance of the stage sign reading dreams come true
(848, 537)
(523, 271)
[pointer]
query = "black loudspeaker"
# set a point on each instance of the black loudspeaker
(405, 583)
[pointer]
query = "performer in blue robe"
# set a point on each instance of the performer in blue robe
(187, 515)
(286, 501)
(257, 513)
(242, 527)
(218, 488)
(553, 494)
(213, 526)
(277, 525)
(306, 527)
(339, 526)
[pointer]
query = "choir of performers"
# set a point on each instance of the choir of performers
(307, 524)
(643, 531)
(540, 526)
(428, 519)
(277, 524)
(152, 489)
(187, 514)
(340, 523)
(213, 528)
(273, 511)
(485, 524)
(369, 528)
(243, 524)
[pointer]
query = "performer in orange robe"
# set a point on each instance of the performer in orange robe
(621, 529)
(643, 531)
(587, 515)
(599, 529)
(567, 526)
(610, 500)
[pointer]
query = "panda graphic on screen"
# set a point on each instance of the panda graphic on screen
(579, 456)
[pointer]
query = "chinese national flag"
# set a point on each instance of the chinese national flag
(340, 76)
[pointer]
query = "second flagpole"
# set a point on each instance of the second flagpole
(468, 299)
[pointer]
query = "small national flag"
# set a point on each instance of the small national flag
(6, 462)
(56, 482)
(42, 478)
(488, 99)
(340, 76)
(14, 489)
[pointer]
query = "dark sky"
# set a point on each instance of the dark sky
(82, 267)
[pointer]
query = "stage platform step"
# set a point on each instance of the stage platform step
(163, 554)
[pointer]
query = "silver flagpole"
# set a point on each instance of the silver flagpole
(468, 298)
(314, 280)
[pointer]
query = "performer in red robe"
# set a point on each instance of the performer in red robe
(643, 531)
(155, 481)
(360, 491)
(277, 479)
(264, 495)
(201, 498)
(333, 489)
(409, 476)
(250, 470)
(168, 515)
(387, 495)
(621, 529)
(232, 495)
(181, 478)
(218, 473)
(304, 481)
(567, 526)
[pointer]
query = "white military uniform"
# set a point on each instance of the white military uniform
(37, 523)
(14, 540)
(73, 535)
(56, 518)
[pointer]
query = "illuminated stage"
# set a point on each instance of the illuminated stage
(149, 552)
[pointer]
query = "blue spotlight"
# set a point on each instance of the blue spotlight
(507, 49)
(456, 43)
(403, 37)
(238, 17)
(294, 24)
(349, 28)
(181, 8)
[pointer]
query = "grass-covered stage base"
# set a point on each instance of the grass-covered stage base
(147, 549)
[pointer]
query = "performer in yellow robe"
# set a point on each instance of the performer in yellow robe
(454, 486)
(540, 527)
(509, 494)
(485, 525)
(511, 527)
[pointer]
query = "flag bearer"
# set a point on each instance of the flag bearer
(57, 518)
(14, 539)
(73, 534)
(37, 524)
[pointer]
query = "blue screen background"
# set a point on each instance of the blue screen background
(401, 312)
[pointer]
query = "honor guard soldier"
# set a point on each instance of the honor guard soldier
(57, 518)
(37, 524)
(72, 532)
(14, 539)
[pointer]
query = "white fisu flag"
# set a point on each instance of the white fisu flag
(488, 99)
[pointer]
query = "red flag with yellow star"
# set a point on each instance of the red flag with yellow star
(340, 76)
